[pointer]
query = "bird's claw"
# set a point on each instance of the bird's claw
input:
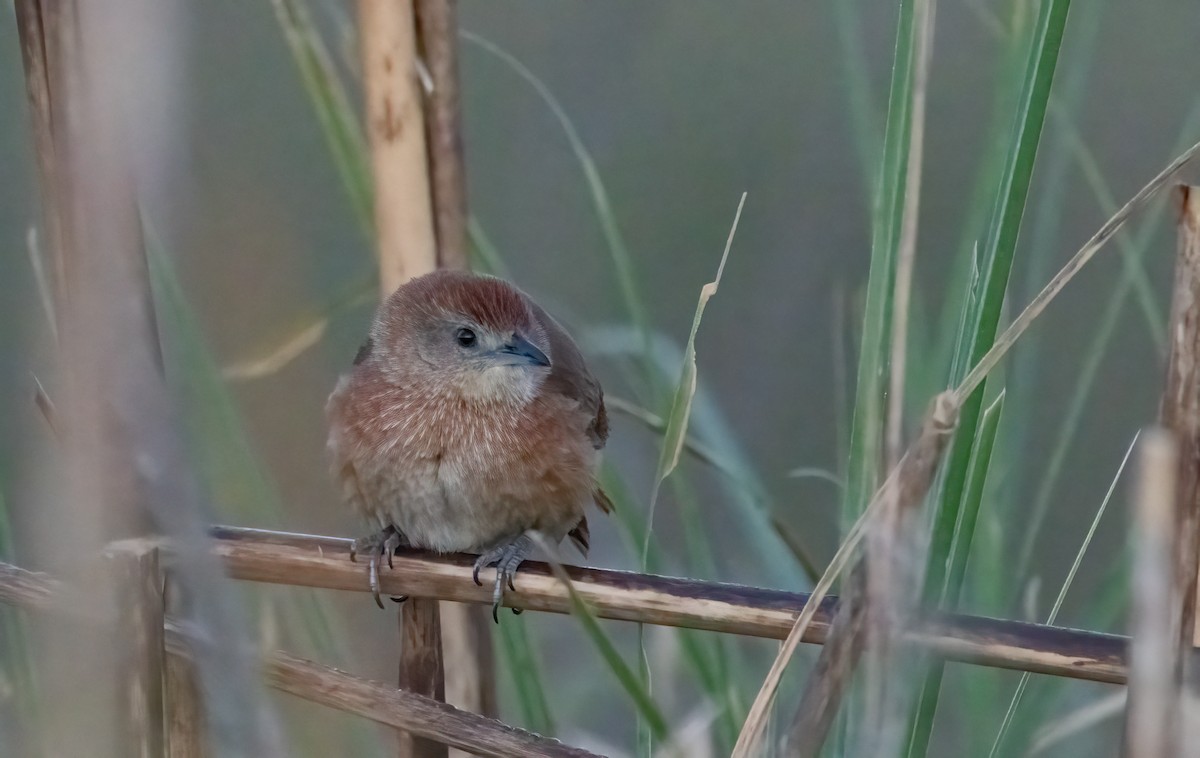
(507, 558)
(375, 546)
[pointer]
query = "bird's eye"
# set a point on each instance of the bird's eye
(464, 337)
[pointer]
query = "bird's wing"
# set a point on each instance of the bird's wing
(569, 376)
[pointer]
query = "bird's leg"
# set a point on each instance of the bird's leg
(375, 546)
(507, 558)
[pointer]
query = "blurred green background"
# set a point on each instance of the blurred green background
(683, 105)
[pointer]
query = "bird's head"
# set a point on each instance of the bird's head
(470, 335)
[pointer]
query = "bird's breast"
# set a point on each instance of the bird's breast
(457, 475)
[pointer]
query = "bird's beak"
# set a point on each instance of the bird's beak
(521, 351)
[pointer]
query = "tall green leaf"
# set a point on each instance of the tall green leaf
(977, 339)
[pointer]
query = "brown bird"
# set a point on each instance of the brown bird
(468, 422)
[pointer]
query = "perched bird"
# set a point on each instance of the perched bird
(468, 422)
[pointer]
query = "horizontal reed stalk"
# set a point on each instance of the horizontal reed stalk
(311, 561)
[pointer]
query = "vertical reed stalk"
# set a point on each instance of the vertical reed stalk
(126, 470)
(396, 130)
(1180, 409)
(405, 234)
(1149, 724)
(437, 30)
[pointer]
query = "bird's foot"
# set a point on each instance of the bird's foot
(507, 558)
(375, 547)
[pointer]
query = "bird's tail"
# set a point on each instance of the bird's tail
(602, 501)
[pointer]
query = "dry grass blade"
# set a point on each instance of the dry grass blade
(280, 355)
(1155, 623)
(675, 435)
(1060, 280)
(1077, 721)
(910, 478)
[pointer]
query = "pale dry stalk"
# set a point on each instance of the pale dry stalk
(396, 130)
(1149, 725)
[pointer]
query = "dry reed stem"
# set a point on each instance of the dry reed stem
(1155, 621)
(310, 561)
(421, 668)
(396, 129)
(1180, 408)
(185, 713)
(437, 28)
(134, 568)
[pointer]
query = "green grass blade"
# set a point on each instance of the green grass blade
(485, 255)
(866, 433)
(525, 672)
(864, 121)
(630, 682)
(622, 261)
(337, 116)
(997, 265)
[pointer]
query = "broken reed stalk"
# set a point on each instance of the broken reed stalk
(437, 33)
(133, 565)
(421, 670)
(1150, 723)
(310, 681)
(876, 600)
(841, 559)
(1180, 408)
(185, 714)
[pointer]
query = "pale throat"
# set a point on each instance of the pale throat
(509, 385)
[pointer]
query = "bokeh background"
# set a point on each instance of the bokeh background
(682, 105)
